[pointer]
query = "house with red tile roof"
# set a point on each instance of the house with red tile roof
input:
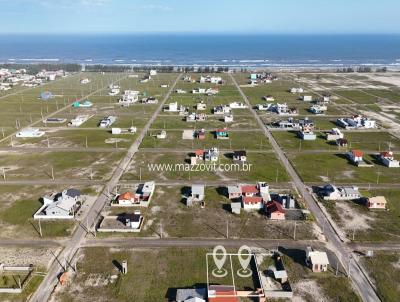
(387, 158)
(275, 210)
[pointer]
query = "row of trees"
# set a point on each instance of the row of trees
(362, 69)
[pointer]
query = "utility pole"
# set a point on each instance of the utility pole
(294, 231)
(86, 142)
(52, 172)
(40, 229)
(227, 229)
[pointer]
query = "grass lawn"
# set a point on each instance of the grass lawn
(356, 96)
(385, 270)
(75, 165)
(265, 166)
(29, 289)
(335, 167)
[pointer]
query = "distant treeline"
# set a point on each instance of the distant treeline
(35, 68)
(362, 69)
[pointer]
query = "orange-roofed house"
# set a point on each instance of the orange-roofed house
(355, 156)
(275, 210)
(127, 198)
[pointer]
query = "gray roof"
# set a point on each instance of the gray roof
(73, 193)
(187, 293)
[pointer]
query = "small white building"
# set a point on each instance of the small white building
(79, 120)
(238, 105)
(129, 97)
(387, 158)
(306, 98)
(107, 121)
(296, 90)
(318, 261)
(171, 107)
(201, 106)
(162, 134)
(30, 133)
(334, 135)
(196, 194)
(228, 118)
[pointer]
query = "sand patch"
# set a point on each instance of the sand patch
(115, 140)
(310, 289)
(352, 218)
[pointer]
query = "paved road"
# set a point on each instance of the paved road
(198, 242)
(60, 149)
(50, 281)
(32, 243)
(362, 283)
(44, 182)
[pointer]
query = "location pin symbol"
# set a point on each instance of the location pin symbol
(244, 259)
(219, 257)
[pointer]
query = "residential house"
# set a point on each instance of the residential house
(171, 107)
(85, 81)
(295, 90)
(268, 98)
(222, 133)
(129, 97)
(59, 206)
(306, 98)
(107, 121)
(161, 135)
(222, 109)
(238, 105)
(240, 156)
(388, 159)
(132, 220)
(318, 261)
(334, 135)
(201, 134)
(141, 197)
(196, 194)
(356, 122)
(263, 107)
(228, 118)
(331, 192)
(236, 207)
(201, 106)
(199, 91)
(222, 293)
(46, 95)
(180, 91)
(253, 197)
(274, 210)
(355, 156)
(212, 91)
(191, 295)
(211, 154)
(153, 72)
(376, 203)
(342, 142)
(318, 109)
(150, 100)
(84, 104)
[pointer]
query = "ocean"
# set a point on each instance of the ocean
(204, 49)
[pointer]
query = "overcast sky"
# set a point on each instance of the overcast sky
(217, 16)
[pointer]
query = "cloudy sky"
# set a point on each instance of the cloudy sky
(216, 16)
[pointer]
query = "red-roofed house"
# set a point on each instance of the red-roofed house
(388, 160)
(252, 202)
(249, 190)
(355, 156)
(275, 210)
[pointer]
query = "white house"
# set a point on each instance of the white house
(222, 109)
(171, 107)
(356, 121)
(30, 132)
(388, 160)
(59, 206)
(334, 135)
(318, 261)
(238, 105)
(228, 118)
(79, 120)
(306, 98)
(196, 194)
(107, 121)
(129, 97)
(85, 81)
(331, 192)
(355, 156)
(296, 90)
(201, 106)
(153, 72)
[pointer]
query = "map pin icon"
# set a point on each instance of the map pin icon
(219, 258)
(244, 260)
